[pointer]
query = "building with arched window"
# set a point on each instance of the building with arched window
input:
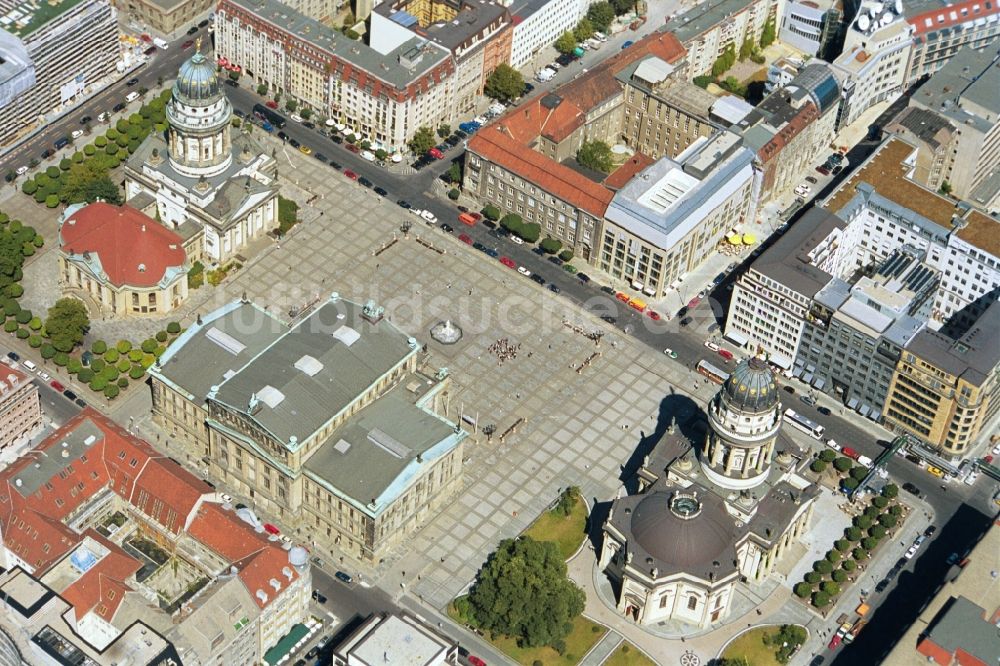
(707, 519)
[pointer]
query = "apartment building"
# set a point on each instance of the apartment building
(52, 54)
(538, 23)
(664, 222)
(941, 29)
(328, 424)
(708, 29)
(872, 67)
(20, 408)
(168, 18)
(74, 520)
(946, 391)
(855, 333)
(791, 127)
(812, 27)
(477, 34)
(954, 121)
(524, 162)
(664, 113)
(383, 95)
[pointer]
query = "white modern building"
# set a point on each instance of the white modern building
(810, 26)
(668, 219)
(51, 54)
(872, 67)
(538, 23)
(709, 28)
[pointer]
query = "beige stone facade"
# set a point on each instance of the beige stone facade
(20, 408)
(122, 300)
(164, 17)
(662, 118)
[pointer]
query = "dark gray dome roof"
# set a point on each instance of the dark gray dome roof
(751, 386)
(197, 84)
(679, 543)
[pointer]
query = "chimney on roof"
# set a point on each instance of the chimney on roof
(275, 584)
(262, 595)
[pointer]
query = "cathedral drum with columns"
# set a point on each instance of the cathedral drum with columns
(210, 183)
(709, 518)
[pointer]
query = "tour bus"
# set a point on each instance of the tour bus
(804, 424)
(713, 373)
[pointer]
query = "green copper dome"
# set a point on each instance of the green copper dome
(751, 386)
(197, 83)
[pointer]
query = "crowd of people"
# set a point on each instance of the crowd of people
(504, 350)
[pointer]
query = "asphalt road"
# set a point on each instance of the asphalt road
(57, 408)
(164, 63)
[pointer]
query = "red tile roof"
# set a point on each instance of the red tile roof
(257, 559)
(970, 10)
(133, 249)
(102, 586)
(10, 379)
(509, 141)
(626, 172)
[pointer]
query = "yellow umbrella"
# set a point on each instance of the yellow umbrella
(735, 239)
(749, 239)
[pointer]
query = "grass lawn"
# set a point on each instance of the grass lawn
(627, 654)
(567, 532)
(751, 647)
(584, 636)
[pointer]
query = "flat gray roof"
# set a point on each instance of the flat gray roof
(787, 260)
(57, 456)
(703, 17)
(195, 362)
(973, 356)
(309, 374)
(380, 450)
(965, 89)
(964, 626)
(399, 68)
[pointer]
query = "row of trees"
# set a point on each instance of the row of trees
(880, 518)
(84, 176)
(599, 18)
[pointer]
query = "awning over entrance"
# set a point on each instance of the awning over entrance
(285, 645)
(864, 410)
(807, 378)
(781, 361)
(852, 403)
(819, 383)
(736, 337)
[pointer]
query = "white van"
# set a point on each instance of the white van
(29, 365)
(132, 96)
(160, 43)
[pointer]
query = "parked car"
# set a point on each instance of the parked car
(436, 154)
(808, 399)
(131, 82)
(343, 577)
(912, 489)
(57, 386)
(539, 279)
(193, 29)
(447, 228)
(554, 288)
(188, 44)
(382, 192)
(319, 596)
(69, 394)
(508, 262)
(364, 182)
(465, 238)
(350, 174)
(476, 661)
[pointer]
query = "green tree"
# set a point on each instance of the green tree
(531, 232)
(595, 155)
(89, 181)
(136, 371)
(850, 484)
(567, 500)
(822, 566)
(887, 520)
(291, 105)
(422, 141)
(842, 464)
(869, 543)
(85, 375)
(890, 490)
(859, 553)
(703, 81)
(820, 599)
(828, 455)
(813, 577)
(505, 84)
(584, 30)
(512, 222)
(880, 502)
(522, 591)
(492, 212)
(859, 472)
(833, 556)
(767, 35)
(306, 113)
(849, 565)
(877, 532)
(600, 15)
(623, 6)
(566, 43)
(843, 545)
(566, 255)
(454, 194)
(111, 391)
(818, 466)
(99, 347)
(455, 173)
(123, 346)
(746, 49)
(551, 245)
(839, 575)
(830, 588)
(262, 89)
(173, 328)
(803, 590)
(66, 324)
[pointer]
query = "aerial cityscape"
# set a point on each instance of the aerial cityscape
(482, 332)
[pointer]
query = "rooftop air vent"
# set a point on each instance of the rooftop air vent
(309, 365)
(342, 446)
(262, 595)
(347, 335)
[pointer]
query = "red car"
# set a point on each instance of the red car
(726, 354)
(623, 297)
(271, 529)
(436, 154)
(850, 453)
(475, 216)
(271, 104)
(653, 314)
(57, 386)
(353, 148)
(465, 238)
(693, 302)
(835, 641)
(823, 170)
(508, 262)
(350, 174)
(476, 661)
(188, 44)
